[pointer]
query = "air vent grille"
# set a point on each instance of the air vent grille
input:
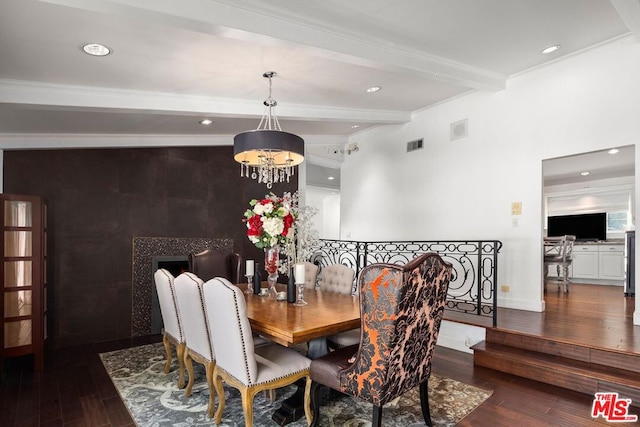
(414, 145)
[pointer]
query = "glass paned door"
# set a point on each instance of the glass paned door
(23, 280)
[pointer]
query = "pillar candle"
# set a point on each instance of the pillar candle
(249, 268)
(299, 273)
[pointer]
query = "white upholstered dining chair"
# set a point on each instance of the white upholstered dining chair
(241, 365)
(172, 331)
(310, 275)
(197, 332)
(339, 278)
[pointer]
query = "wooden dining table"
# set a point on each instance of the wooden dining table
(325, 314)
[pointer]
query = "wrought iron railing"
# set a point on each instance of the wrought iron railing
(473, 287)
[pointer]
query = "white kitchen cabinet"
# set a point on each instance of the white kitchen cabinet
(585, 262)
(611, 262)
(602, 263)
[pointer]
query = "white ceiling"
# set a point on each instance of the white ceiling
(175, 62)
(601, 165)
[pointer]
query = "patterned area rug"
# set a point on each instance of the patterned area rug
(154, 400)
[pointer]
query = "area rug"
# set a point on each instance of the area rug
(154, 400)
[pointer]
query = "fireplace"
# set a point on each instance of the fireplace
(169, 249)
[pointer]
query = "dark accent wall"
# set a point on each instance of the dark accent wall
(99, 199)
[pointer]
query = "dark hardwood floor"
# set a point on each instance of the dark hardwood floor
(74, 389)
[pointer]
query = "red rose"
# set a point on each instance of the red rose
(255, 226)
(288, 222)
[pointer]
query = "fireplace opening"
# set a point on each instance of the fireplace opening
(175, 265)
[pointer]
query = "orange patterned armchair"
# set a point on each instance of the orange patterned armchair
(401, 311)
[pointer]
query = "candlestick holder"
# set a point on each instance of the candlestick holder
(300, 302)
(249, 289)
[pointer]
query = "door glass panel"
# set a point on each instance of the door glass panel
(17, 304)
(17, 213)
(17, 333)
(17, 243)
(17, 273)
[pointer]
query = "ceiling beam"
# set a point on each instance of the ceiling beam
(82, 140)
(70, 97)
(261, 23)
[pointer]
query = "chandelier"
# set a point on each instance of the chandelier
(268, 154)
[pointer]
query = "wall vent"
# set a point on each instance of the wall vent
(459, 129)
(414, 145)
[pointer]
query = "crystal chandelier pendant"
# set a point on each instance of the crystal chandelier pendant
(268, 151)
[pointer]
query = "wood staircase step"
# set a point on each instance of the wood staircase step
(607, 357)
(561, 364)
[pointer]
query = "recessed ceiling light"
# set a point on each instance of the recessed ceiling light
(205, 122)
(373, 89)
(613, 151)
(96, 49)
(355, 126)
(551, 49)
(330, 178)
(585, 173)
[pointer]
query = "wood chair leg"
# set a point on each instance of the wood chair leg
(167, 349)
(314, 394)
(377, 416)
(210, 367)
(189, 365)
(247, 405)
(307, 401)
(565, 270)
(217, 383)
(424, 402)
(180, 350)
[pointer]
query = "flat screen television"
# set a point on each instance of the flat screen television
(591, 226)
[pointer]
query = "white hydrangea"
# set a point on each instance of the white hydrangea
(261, 209)
(273, 226)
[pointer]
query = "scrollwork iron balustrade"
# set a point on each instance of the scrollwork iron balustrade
(475, 266)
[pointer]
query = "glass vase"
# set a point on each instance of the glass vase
(271, 258)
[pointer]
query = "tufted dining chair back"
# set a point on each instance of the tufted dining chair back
(172, 332)
(310, 275)
(190, 297)
(337, 278)
(401, 311)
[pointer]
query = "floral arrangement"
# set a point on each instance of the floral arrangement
(270, 221)
(281, 221)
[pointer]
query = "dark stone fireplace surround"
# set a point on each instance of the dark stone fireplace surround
(145, 249)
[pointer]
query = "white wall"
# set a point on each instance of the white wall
(327, 221)
(331, 219)
(463, 189)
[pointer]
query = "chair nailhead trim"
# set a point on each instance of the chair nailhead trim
(244, 348)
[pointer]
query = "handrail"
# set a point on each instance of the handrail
(473, 287)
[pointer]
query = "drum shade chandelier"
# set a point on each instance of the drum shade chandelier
(268, 154)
